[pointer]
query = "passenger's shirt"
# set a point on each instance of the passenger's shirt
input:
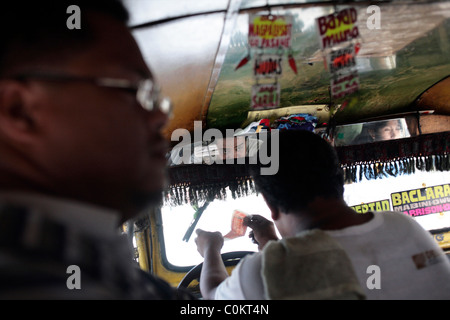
(392, 256)
(52, 248)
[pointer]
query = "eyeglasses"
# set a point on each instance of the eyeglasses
(147, 93)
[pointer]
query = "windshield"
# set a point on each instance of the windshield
(367, 195)
(216, 217)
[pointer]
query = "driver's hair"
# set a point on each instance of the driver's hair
(36, 32)
(309, 168)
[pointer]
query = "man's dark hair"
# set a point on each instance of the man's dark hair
(31, 31)
(308, 168)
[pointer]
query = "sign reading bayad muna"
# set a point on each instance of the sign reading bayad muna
(337, 28)
(265, 96)
(423, 201)
(269, 31)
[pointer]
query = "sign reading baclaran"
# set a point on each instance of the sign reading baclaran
(270, 31)
(423, 201)
(265, 96)
(382, 205)
(337, 28)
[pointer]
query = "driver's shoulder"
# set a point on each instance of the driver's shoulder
(249, 272)
(245, 281)
(251, 261)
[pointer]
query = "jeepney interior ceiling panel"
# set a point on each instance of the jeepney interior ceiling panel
(146, 11)
(182, 54)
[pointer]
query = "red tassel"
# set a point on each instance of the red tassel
(357, 47)
(292, 63)
(243, 62)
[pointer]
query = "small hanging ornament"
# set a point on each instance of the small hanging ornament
(292, 64)
(357, 47)
(243, 62)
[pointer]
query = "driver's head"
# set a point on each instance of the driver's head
(309, 168)
(73, 138)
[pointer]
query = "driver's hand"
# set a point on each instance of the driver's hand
(263, 230)
(208, 241)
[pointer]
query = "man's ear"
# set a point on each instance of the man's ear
(275, 212)
(16, 111)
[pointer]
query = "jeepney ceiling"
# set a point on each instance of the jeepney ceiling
(147, 11)
(185, 42)
(402, 24)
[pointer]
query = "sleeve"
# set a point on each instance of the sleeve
(230, 288)
(245, 282)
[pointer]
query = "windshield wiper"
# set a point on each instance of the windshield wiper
(197, 215)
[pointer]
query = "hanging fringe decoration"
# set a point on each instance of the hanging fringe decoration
(429, 152)
(405, 166)
(192, 184)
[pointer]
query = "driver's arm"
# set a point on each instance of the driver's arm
(214, 272)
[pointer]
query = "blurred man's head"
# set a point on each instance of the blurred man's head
(65, 129)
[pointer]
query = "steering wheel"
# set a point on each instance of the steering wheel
(229, 259)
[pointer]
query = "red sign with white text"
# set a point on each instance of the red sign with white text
(270, 31)
(337, 28)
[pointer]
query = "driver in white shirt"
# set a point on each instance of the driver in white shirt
(327, 250)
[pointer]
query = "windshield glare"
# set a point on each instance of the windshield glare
(216, 217)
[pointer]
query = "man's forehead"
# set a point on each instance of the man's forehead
(115, 48)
